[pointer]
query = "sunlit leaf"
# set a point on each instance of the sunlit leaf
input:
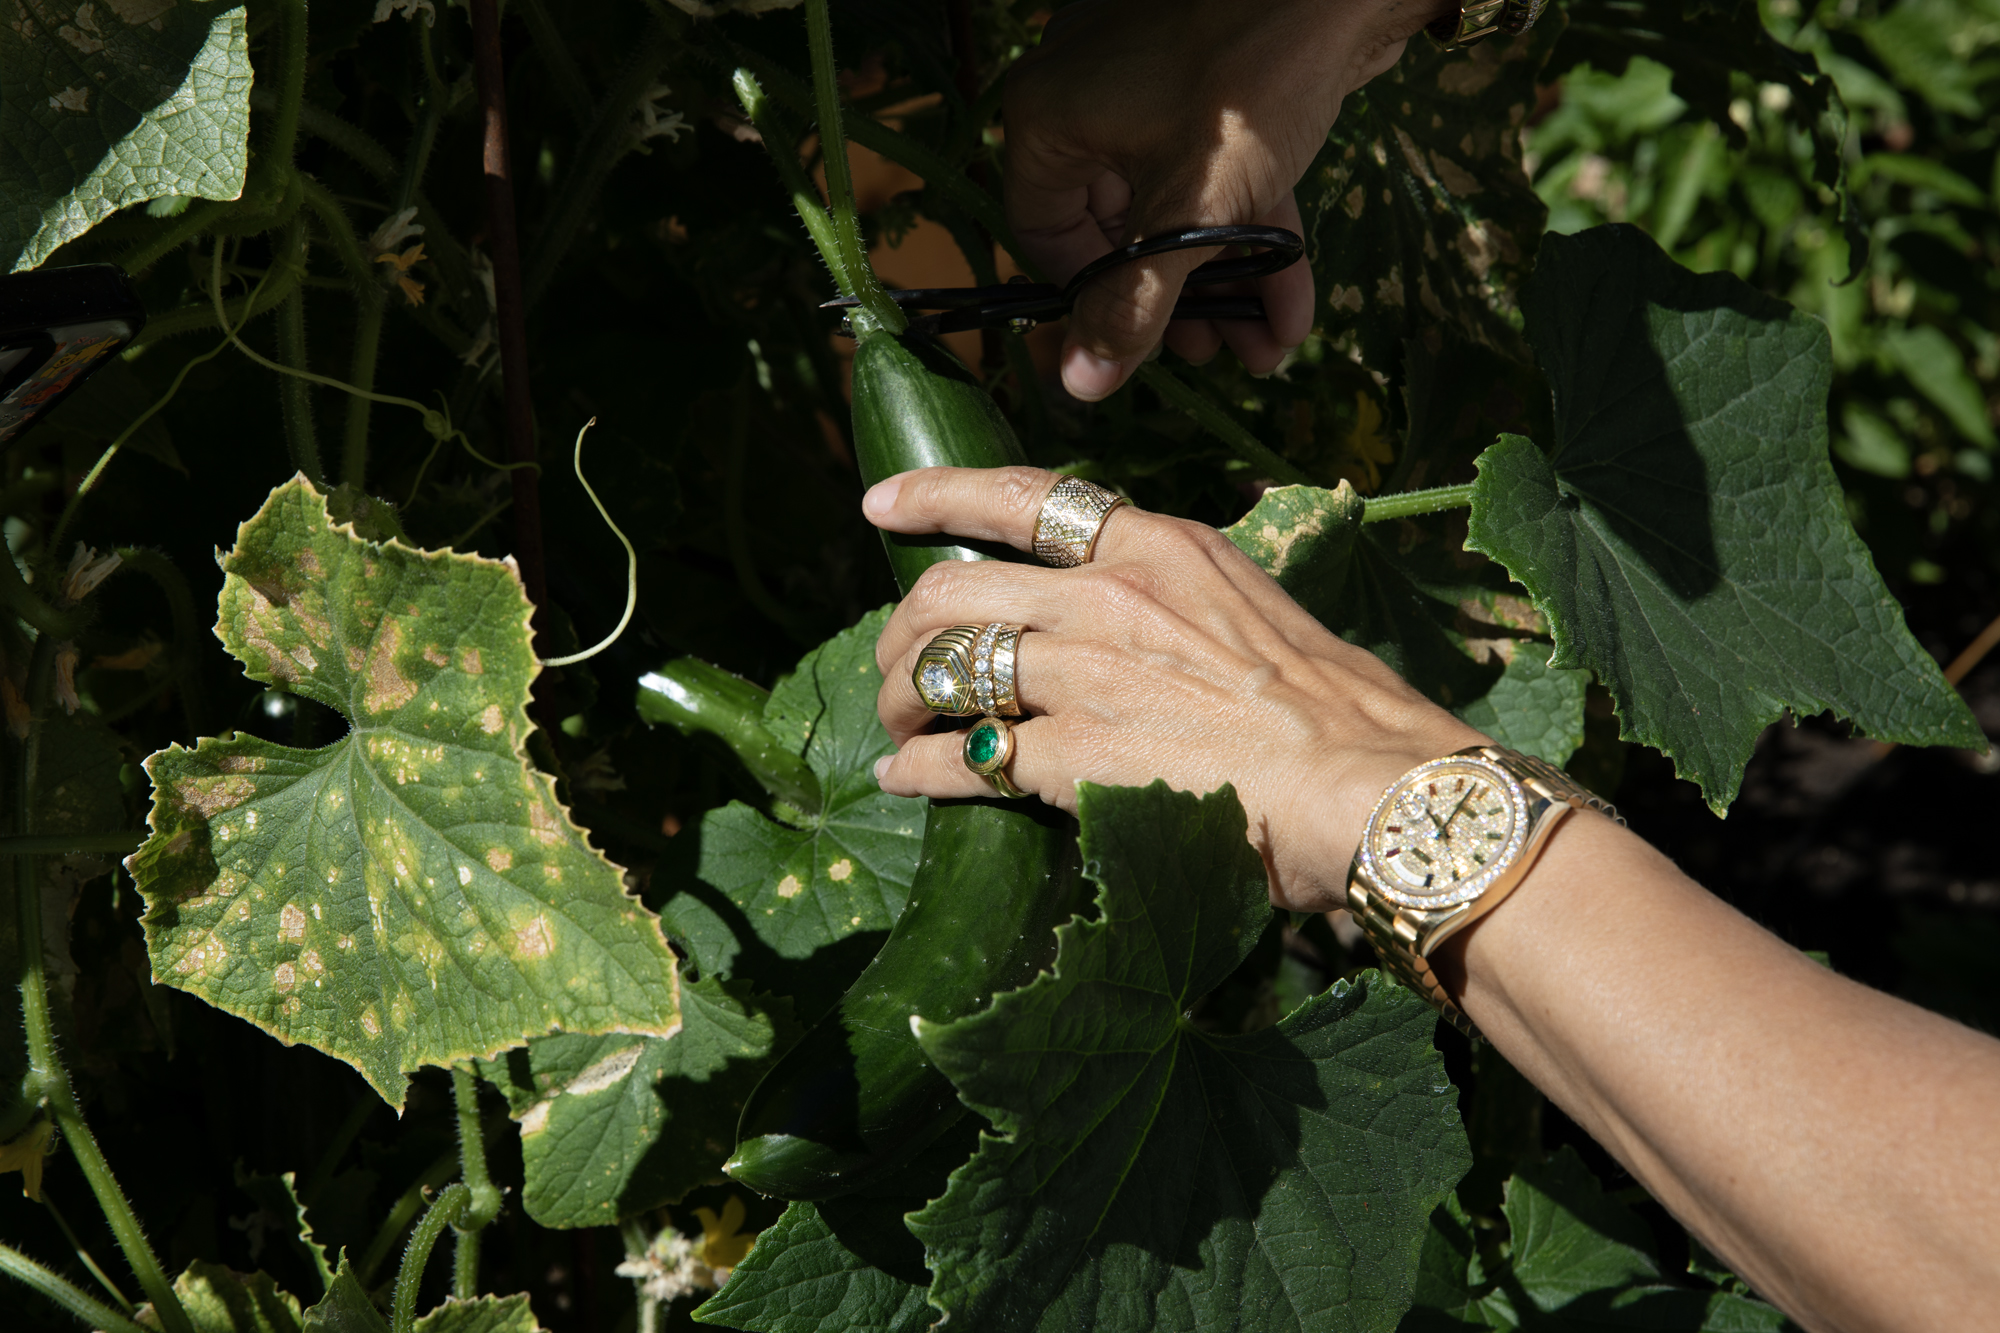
(1685, 535)
(412, 893)
(219, 1300)
(108, 104)
(482, 1314)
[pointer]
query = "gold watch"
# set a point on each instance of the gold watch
(1446, 844)
(1477, 19)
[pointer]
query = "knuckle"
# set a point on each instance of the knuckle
(1020, 490)
(935, 590)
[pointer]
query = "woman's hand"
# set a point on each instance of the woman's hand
(1170, 655)
(1134, 117)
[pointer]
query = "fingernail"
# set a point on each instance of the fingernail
(882, 765)
(1087, 375)
(881, 498)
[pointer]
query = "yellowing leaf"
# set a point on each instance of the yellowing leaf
(26, 1153)
(413, 893)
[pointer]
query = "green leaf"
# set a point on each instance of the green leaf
(1936, 366)
(1417, 211)
(1582, 1260)
(1474, 649)
(106, 105)
(1927, 45)
(345, 1308)
(218, 1300)
(1923, 173)
(617, 1125)
(801, 1277)
(1451, 1294)
(848, 1262)
(413, 893)
(1685, 537)
(1150, 1175)
(483, 1314)
(803, 908)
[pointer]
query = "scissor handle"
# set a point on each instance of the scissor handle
(1281, 249)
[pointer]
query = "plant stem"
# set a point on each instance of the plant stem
(91, 1311)
(400, 1214)
(283, 135)
(295, 394)
(68, 844)
(851, 270)
(43, 1062)
(260, 301)
(445, 1210)
(510, 318)
(1410, 504)
(483, 1203)
(83, 1255)
(197, 218)
(1220, 424)
(16, 596)
(187, 632)
(361, 374)
(637, 1243)
(553, 52)
(694, 696)
(782, 145)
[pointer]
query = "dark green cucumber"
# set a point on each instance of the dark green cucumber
(856, 1098)
(916, 406)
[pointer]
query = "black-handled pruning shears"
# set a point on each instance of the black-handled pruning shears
(1020, 305)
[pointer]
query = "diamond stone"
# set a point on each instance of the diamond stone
(939, 686)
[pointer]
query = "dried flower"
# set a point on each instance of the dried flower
(86, 570)
(657, 121)
(412, 289)
(395, 231)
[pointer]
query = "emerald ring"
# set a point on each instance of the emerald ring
(989, 748)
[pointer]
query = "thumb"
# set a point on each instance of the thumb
(1119, 317)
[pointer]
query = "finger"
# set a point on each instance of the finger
(1040, 683)
(934, 766)
(997, 504)
(1195, 341)
(1120, 316)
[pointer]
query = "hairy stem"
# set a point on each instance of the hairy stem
(483, 1203)
(282, 137)
(90, 1310)
(1409, 504)
(850, 261)
(43, 1061)
(1220, 424)
(782, 144)
(16, 596)
(400, 1214)
(197, 218)
(83, 1255)
(553, 52)
(361, 374)
(445, 1210)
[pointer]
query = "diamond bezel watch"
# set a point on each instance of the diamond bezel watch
(1413, 884)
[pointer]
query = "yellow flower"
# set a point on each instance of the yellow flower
(413, 290)
(27, 1153)
(1368, 448)
(723, 1245)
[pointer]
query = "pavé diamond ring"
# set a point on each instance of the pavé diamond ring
(1072, 515)
(989, 748)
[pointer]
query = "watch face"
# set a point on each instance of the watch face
(1445, 832)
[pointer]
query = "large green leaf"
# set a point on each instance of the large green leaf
(1685, 535)
(219, 1300)
(1477, 650)
(617, 1125)
(802, 909)
(105, 103)
(1151, 1175)
(413, 893)
(1578, 1260)
(1417, 211)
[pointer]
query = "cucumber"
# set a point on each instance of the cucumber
(856, 1098)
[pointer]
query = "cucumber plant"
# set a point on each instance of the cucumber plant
(630, 941)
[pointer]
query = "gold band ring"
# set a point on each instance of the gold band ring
(968, 670)
(1071, 516)
(989, 748)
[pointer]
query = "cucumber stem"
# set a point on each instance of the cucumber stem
(1222, 426)
(1410, 504)
(850, 260)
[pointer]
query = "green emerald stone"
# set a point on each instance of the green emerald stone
(983, 743)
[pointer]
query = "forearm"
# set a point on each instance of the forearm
(1837, 1146)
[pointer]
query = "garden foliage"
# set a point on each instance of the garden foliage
(618, 890)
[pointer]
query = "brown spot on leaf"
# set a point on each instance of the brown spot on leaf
(543, 824)
(435, 655)
(209, 797)
(490, 721)
(291, 924)
(534, 940)
(470, 662)
(283, 978)
(499, 860)
(388, 688)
